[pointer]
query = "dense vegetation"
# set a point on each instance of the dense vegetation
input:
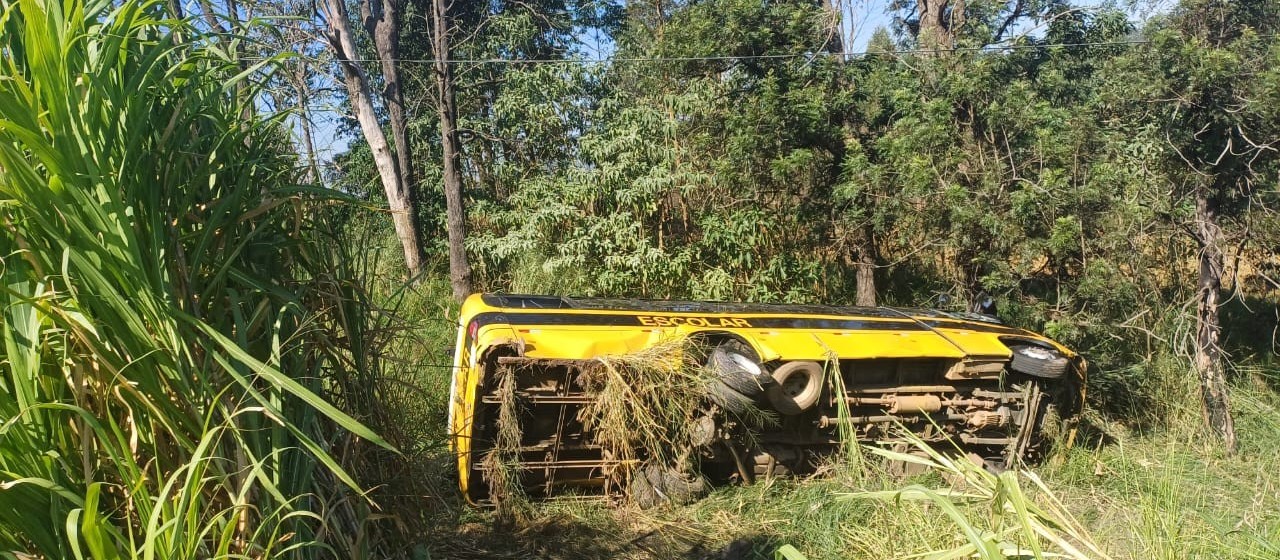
(196, 331)
(1103, 179)
(171, 305)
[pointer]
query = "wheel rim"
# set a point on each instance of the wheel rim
(1036, 352)
(795, 384)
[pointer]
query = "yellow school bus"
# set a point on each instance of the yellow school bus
(817, 373)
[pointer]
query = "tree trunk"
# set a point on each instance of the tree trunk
(211, 18)
(402, 216)
(955, 20)
(382, 20)
(864, 254)
(971, 271)
(1208, 355)
(865, 272)
(459, 267)
(835, 30)
(932, 35)
(303, 90)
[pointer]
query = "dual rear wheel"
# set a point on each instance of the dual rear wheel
(791, 388)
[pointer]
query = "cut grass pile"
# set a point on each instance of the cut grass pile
(644, 404)
(642, 413)
(500, 463)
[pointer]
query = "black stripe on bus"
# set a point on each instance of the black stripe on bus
(600, 320)
(974, 326)
(543, 302)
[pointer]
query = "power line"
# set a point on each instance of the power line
(604, 60)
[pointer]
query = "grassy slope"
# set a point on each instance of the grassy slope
(1159, 495)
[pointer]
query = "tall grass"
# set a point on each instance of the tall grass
(1015, 523)
(168, 310)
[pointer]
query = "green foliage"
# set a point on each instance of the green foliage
(176, 301)
(670, 193)
(169, 308)
(720, 154)
(1053, 177)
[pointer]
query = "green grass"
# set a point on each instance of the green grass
(1148, 496)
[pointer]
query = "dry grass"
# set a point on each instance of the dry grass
(501, 470)
(644, 405)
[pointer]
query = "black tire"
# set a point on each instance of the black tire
(738, 366)
(675, 488)
(733, 402)
(642, 492)
(654, 485)
(797, 387)
(742, 382)
(1038, 361)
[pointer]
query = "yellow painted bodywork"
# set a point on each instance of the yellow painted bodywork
(572, 342)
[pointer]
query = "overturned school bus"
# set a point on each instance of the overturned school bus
(775, 389)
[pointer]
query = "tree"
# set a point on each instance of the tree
(941, 25)
(860, 236)
(382, 21)
(399, 196)
(703, 178)
(296, 84)
(456, 217)
(1209, 84)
